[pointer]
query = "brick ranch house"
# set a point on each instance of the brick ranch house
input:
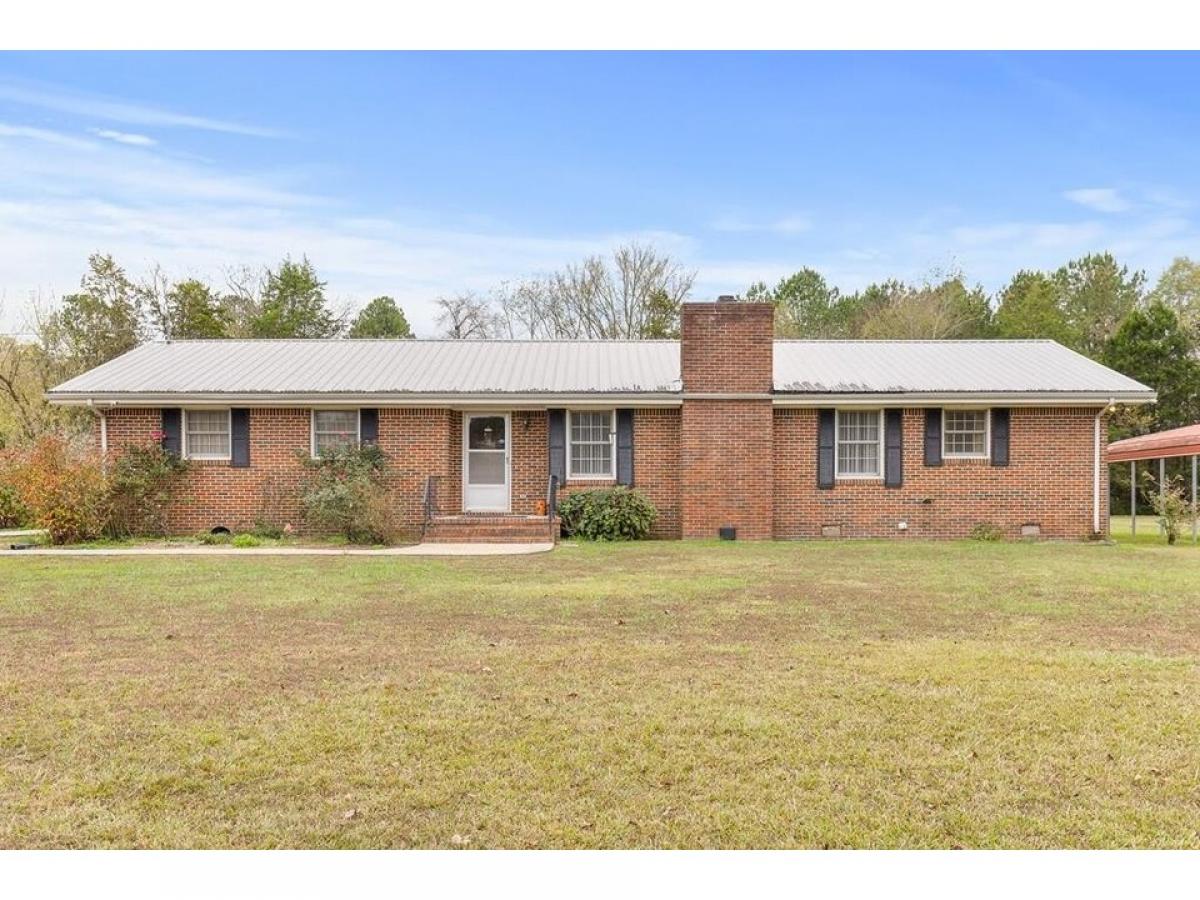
(726, 428)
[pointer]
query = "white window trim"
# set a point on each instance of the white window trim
(612, 442)
(187, 454)
(987, 432)
(837, 442)
(312, 425)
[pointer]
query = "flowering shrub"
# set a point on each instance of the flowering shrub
(345, 494)
(141, 480)
(1172, 507)
(610, 514)
(64, 490)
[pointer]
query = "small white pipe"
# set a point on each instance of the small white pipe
(1096, 477)
(103, 433)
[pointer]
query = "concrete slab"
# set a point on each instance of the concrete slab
(414, 550)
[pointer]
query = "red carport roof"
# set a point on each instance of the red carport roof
(1175, 442)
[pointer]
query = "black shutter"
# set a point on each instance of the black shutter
(368, 426)
(239, 438)
(1000, 429)
(933, 437)
(625, 446)
(172, 429)
(825, 426)
(558, 444)
(893, 443)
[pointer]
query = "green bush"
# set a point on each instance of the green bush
(141, 480)
(345, 494)
(246, 540)
(12, 511)
(212, 540)
(609, 514)
(986, 531)
(268, 530)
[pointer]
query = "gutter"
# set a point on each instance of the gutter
(583, 400)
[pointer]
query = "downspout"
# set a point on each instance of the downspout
(1096, 468)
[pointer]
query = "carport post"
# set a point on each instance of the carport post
(1133, 498)
(1162, 487)
(1193, 498)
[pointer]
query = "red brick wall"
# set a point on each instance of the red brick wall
(726, 468)
(1048, 481)
(725, 444)
(727, 347)
(712, 463)
(419, 442)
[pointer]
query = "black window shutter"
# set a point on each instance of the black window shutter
(893, 443)
(933, 437)
(558, 444)
(239, 438)
(625, 446)
(825, 426)
(368, 426)
(172, 429)
(1000, 430)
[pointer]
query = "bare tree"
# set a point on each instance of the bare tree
(468, 316)
(635, 294)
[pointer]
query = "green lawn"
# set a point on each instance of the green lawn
(839, 694)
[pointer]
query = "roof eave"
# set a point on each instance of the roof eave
(964, 398)
(104, 399)
(596, 398)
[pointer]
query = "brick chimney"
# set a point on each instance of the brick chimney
(727, 464)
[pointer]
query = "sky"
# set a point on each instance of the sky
(423, 174)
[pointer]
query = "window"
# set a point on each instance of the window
(590, 435)
(858, 437)
(206, 433)
(965, 432)
(333, 429)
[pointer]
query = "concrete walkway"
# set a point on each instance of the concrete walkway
(414, 550)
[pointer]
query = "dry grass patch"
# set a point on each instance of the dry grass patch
(654, 695)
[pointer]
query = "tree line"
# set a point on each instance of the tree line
(1093, 305)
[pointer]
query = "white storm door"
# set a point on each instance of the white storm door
(486, 462)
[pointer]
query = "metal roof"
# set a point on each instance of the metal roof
(1183, 441)
(423, 369)
(386, 367)
(892, 367)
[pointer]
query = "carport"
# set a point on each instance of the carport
(1161, 446)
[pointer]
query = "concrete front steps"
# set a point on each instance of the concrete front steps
(491, 529)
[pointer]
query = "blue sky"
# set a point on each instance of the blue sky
(418, 174)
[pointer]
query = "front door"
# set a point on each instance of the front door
(485, 468)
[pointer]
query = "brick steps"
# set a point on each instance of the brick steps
(491, 530)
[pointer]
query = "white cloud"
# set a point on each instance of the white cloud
(111, 109)
(62, 200)
(1107, 200)
(125, 137)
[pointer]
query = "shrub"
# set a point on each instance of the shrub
(610, 514)
(13, 513)
(268, 530)
(345, 494)
(986, 531)
(217, 539)
(141, 480)
(64, 490)
(1172, 508)
(246, 540)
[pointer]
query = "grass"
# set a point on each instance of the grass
(842, 694)
(1148, 531)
